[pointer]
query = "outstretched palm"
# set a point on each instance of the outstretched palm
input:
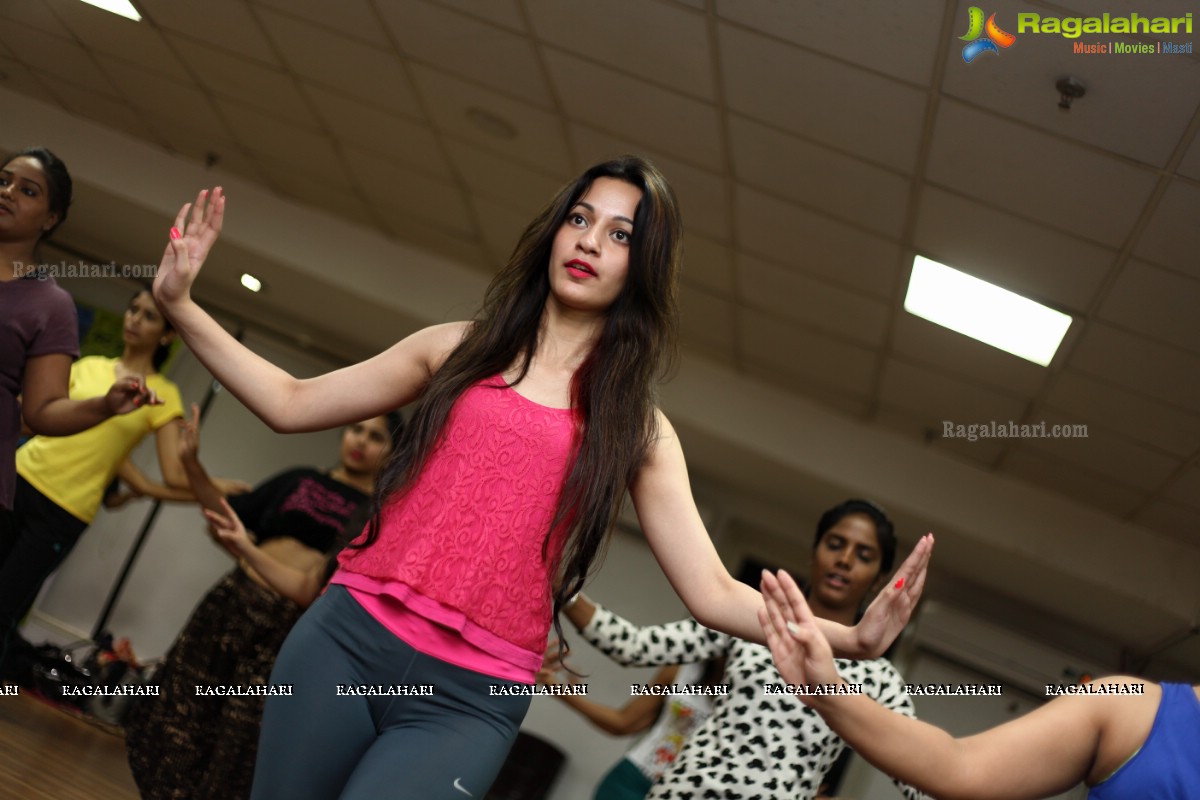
(890, 611)
(198, 225)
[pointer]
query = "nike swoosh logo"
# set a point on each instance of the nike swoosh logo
(459, 786)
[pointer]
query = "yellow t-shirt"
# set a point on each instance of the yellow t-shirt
(73, 471)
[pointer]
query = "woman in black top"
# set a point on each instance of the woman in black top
(198, 738)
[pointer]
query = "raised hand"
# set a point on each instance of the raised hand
(802, 653)
(197, 227)
(227, 530)
(189, 435)
(890, 611)
(129, 394)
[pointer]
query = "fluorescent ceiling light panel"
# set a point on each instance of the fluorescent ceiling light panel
(122, 8)
(983, 311)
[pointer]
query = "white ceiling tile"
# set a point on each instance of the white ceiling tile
(703, 199)
(1067, 185)
(353, 18)
(227, 24)
(1172, 519)
(184, 140)
(270, 89)
(372, 74)
(111, 112)
(1029, 259)
(937, 398)
(806, 301)
(61, 57)
(16, 77)
(1091, 489)
(847, 403)
(277, 139)
(815, 176)
(1172, 236)
(1169, 374)
(707, 263)
(893, 38)
(625, 106)
(802, 354)
(417, 231)
(1190, 166)
(955, 354)
(31, 13)
(371, 128)
(1020, 84)
(831, 102)
(1185, 489)
(919, 427)
(108, 33)
(462, 46)
(422, 197)
(187, 104)
(806, 242)
(705, 320)
(497, 178)
(1136, 416)
(451, 102)
(1156, 302)
(1102, 451)
(322, 194)
(500, 225)
(668, 44)
(501, 12)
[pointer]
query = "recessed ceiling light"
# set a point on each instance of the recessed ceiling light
(122, 8)
(252, 283)
(984, 311)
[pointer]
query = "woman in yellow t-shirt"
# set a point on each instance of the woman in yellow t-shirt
(61, 479)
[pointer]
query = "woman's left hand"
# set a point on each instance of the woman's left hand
(130, 394)
(890, 611)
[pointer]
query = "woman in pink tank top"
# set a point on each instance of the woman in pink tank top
(410, 676)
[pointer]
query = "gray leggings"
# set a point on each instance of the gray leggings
(319, 745)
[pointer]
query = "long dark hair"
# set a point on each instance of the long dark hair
(613, 392)
(161, 351)
(59, 188)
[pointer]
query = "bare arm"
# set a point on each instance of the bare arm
(301, 585)
(287, 404)
(1040, 754)
(634, 717)
(46, 408)
(143, 486)
(663, 499)
(667, 513)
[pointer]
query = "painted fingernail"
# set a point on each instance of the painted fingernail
(175, 234)
(900, 583)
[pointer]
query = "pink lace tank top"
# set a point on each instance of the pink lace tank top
(463, 547)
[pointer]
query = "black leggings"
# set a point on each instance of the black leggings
(319, 745)
(38, 538)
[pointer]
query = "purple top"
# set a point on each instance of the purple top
(37, 318)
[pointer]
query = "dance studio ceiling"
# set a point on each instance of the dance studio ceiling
(816, 146)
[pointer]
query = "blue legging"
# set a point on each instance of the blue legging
(317, 745)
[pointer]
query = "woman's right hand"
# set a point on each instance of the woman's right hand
(228, 531)
(189, 435)
(197, 227)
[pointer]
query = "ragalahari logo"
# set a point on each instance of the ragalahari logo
(993, 40)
